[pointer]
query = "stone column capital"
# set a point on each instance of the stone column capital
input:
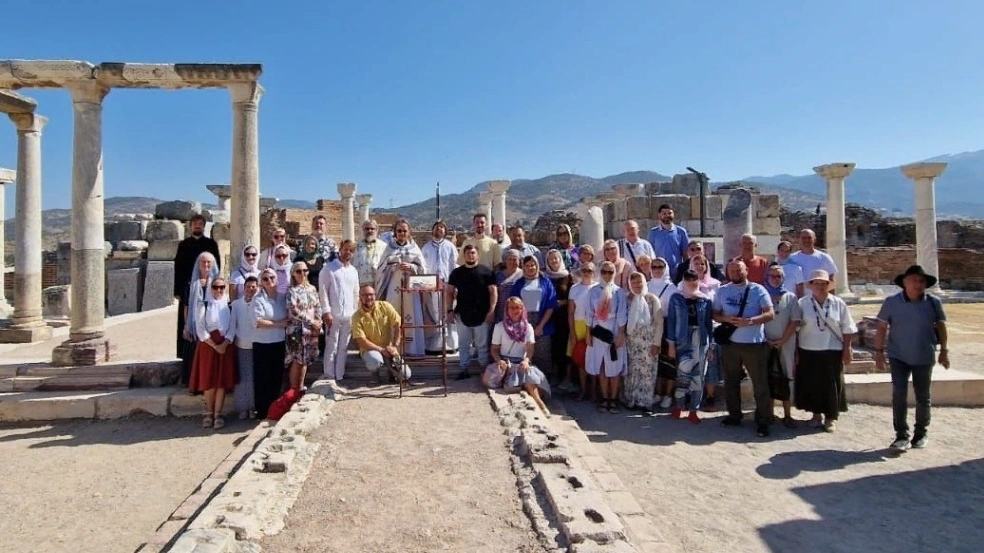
(364, 199)
(497, 187)
(484, 197)
(7, 176)
(246, 93)
(220, 190)
(28, 122)
(834, 170)
(346, 190)
(923, 170)
(87, 92)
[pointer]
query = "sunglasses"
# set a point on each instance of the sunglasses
(219, 287)
(281, 256)
(369, 228)
(659, 266)
(268, 279)
(301, 272)
(250, 254)
(607, 272)
(402, 231)
(280, 236)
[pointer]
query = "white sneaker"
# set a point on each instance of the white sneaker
(900, 445)
(666, 402)
(657, 400)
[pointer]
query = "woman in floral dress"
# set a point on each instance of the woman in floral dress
(303, 325)
(644, 331)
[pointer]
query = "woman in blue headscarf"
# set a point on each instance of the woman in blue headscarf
(780, 333)
(204, 272)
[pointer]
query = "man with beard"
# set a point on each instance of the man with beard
(339, 291)
(376, 328)
(489, 253)
(499, 234)
(368, 252)
(441, 257)
(184, 262)
(327, 249)
(668, 240)
(475, 288)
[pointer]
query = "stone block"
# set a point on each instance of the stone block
(125, 291)
(620, 210)
(163, 230)
(119, 231)
(609, 210)
(679, 202)
(183, 405)
(46, 406)
(133, 245)
(179, 210)
(223, 231)
(217, 540)
(685, 183)
(163, 250)
(766, 227)
(131, 402)
(613, 230)
(26, 335)
(56, 302)
(87, 353)
(715, 207)
(158, 288)
(637, 207)
(767, 205)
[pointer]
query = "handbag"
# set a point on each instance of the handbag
(608, 337)
(778, 381)
(722, 334)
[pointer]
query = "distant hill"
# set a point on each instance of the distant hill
(958, 190)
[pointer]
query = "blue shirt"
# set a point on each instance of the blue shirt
(727, 301)
(271, 310)
(670, 244)
(912, 327)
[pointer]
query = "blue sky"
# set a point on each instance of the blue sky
(396, 95)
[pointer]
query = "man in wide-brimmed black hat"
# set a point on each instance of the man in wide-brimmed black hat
(918, 324)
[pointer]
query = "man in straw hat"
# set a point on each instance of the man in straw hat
(918, 324)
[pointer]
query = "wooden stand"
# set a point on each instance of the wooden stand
(438, 288)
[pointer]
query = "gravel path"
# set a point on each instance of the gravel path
(711, 489)
(419, 474)
(100, 485)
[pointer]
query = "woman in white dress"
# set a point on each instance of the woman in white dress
(606, 317)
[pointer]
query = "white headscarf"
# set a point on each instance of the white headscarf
(639, 313)
(195, 302)
(276, 265)
(250, 269)
(216, 312)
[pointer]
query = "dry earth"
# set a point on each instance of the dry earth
(419, 474)
(100, 485)
(711, 489)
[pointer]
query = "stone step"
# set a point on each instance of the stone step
(861, 367)
(138, 374)
(66, 382)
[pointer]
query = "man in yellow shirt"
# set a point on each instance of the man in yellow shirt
(376, 328)
(489, 253)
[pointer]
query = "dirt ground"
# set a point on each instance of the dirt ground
(101, 485)
(419, 474)
(966, 333)
(709, 489)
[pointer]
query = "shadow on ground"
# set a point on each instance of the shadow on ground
(139, 429)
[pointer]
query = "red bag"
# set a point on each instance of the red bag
(579, 354)
(283, 404)
(216, 336)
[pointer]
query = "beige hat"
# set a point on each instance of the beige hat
(819, 274)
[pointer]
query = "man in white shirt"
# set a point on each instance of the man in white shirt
(631, 247)
(339, 291)
(812, 259)
(368, 253)
(441, 258)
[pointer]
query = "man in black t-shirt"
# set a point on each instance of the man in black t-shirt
(474, 287)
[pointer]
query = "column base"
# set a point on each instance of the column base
(88, 352)
(25, 334)
(6, 310)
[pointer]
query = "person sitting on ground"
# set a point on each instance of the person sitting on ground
(213, 370)
(376, 329)
(512, 349)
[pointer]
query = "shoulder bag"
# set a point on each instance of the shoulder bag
(723, 332)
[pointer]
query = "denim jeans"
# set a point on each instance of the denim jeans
(468, 335)
(922, 377)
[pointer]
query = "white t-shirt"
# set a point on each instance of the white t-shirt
(665, 290)
(639, 248)
(507, 346)
(814, 334)
(579, 293)
(794, 275)
(813, 262)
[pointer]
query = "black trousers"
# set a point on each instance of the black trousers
(268, 374)
(181, 324)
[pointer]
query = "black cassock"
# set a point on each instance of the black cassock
(184, 263)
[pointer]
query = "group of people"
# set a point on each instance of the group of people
(651, 324)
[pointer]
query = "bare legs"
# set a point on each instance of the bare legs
(534, 392)
(297, 374)
(214, 402)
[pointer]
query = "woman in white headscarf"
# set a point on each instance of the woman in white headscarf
(607, 316)
(644, 330)
(277, 237)
(205, 270)
(248, 267)
(281, 265)
(214, 369)
(662, 287)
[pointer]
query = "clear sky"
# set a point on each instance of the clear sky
(396, 95)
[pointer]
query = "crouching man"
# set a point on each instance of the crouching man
(376, 328)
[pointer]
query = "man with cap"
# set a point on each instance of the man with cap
(917, 324)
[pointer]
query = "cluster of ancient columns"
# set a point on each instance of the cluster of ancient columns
(923, 174)
(346, 190)
(492, 203)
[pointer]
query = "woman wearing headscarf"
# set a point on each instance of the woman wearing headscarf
(281, 267)
(403, 257)
(780, 333)
(564, 244)
(202, 275)
(242, 326)
(278, 236)
(644, 330)
(304, 324)
(312, 256)
(214, 368)
(607, 317)
(560, 277)
(247, 268)
(505, 279)
(269, 342)
(663, 288)
(690, 326)
(540, 298)
(577, 309)
(622, 267)
(513, 342)
(708, 285)
(585, 254)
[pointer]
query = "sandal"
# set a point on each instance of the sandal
(789, 422)
(613, 407)
(219, 422)
(603, 407)
(207, 421)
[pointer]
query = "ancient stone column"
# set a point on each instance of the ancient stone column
(27, 324)
(7, 176)
(86, 344)
(365, 200)
(926, 248)
(498, 189)
(347, 191)
(737, 221)
(224, 194)
(485, 206)
(593, 231)
(244, 216)
(834, 174)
